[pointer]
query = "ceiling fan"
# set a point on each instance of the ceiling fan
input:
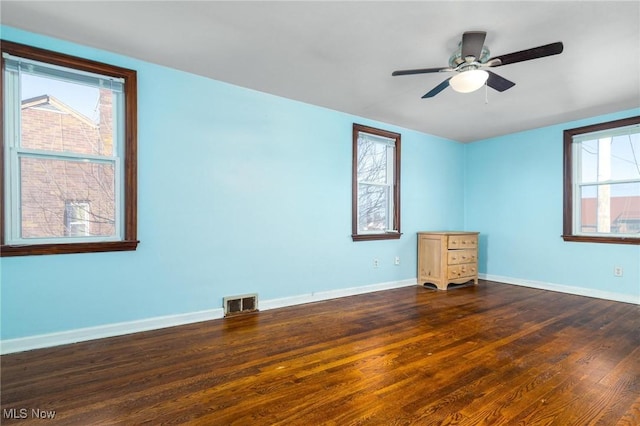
(470, 60)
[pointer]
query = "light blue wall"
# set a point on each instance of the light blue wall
(513, 195)
(239, 191)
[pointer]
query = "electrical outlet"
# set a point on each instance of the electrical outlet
(617, 271)
(376, 263)
(397, 260)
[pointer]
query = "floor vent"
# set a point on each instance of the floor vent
(234, 305)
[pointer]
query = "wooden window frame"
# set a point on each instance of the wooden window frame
(568, 217)
(130, 240)
(396, 185)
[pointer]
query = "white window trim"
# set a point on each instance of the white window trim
(579, 184)
(572, 174)
(129, 163)
(388, 185)
(393, 142)
(14, 152)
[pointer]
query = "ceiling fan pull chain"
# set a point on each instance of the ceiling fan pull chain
(486, 94)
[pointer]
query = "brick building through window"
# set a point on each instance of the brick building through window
(61, 197)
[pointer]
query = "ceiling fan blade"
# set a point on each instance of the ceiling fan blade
(420, 71)
(526, 55)
(499, 83)
(472, 42)
(439, 88)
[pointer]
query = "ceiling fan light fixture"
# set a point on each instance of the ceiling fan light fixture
(469, 81)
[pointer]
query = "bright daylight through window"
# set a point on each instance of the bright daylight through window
(376, 184)
(68, 154)
(602, 182)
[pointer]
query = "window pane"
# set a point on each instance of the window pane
(63, 116)
(376, 184)
(625, 157)
(372, 161)
(616, 158)
(57, 195)
(610, 209)
(373, 201)
(589, 161)
(70, 154)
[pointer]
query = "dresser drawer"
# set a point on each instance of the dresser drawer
(455, 257)
(460, 271)
(462, 242)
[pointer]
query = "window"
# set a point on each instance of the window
(602, 182)
(68, 154)
(376, 184)
(77, 219)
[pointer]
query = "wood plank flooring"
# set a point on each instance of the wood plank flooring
(494, 354)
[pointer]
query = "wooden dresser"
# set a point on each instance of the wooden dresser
(447, 257)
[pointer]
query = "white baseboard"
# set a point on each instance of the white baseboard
(21, 344)
(108, 330)
(580, 291)
(118, 329)
(333, 294)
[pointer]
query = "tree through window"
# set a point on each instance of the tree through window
(376, 184)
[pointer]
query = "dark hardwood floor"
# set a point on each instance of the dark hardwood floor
(494, 354)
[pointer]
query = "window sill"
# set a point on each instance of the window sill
(606, 240)
(41, 249)
(375, 237)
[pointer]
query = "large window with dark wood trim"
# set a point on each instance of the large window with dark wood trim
(376, 184)
(602, 182)
(68, 156)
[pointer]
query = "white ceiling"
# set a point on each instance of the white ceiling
(340, 54)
